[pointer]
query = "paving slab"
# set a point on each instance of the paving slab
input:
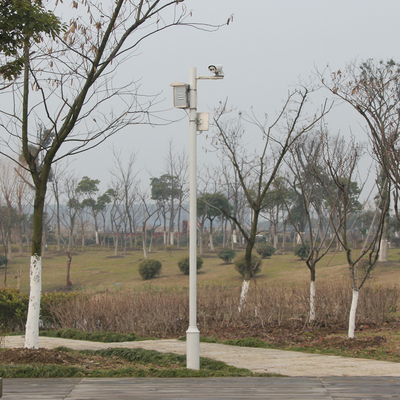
(289, 363)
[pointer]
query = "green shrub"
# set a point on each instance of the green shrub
(3, 260)
(265, 250)
(255, 265)
(302, 251)
(227, 255)
(148, 269)
(13, 309)
(169, 249)
(183, 264)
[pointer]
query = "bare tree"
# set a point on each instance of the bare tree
(372, 89)
(23, 197)
(126, 176)
(73, 207)
(309, 181)
(74, 97)
(57, 191)
(8, 186)
(148, 211)
(257, 171)
(178, 165)
(341, 159)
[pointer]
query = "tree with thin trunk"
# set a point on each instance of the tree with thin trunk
(73, 207)
(342, 159)
(149, 210)
(57, 191)
(164, 190)
(126, 175)
(308, 178)
(117, 213)
(69, 82)
(86, 189)
(177, 165)
(371, 88)
(209, 205)
(8, 186)
(256, 171)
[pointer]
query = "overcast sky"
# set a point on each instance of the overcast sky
(267, 48)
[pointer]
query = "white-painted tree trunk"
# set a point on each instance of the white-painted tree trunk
(97, 237)
(32, 321)
(383, 251)
(312, 301)
(352, 317)
(145, 254)
(243, 295)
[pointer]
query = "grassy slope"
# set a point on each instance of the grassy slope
(98, 267)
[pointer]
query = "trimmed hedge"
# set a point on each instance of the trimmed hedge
(240, 265)
(183, 264)
(227, 255)
(149, 269)
(265, 250)
(302, 251)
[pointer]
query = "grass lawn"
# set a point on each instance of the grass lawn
(93, 268)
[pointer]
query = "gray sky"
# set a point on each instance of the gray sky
(267, 48)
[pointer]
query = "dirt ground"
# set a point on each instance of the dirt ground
(43, 356)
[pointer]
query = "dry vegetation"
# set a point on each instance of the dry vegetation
(112, 297)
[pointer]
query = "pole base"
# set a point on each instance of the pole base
(193, 348)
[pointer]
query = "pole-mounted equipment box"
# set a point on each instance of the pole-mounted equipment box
(181, 95)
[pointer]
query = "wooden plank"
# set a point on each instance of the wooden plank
(201, 388)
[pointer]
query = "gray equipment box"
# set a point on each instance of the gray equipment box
(181, 95)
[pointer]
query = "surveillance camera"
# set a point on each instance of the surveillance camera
(216, 69)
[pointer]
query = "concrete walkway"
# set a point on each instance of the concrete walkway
(310, 377)
(289, 363)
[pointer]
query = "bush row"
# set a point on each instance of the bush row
(149, 269)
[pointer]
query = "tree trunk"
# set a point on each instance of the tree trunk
(383, 251)
(96, 230)
(9, 231)
(68, 281)
(312, 301)
(211, 237)
(243, 295)
(201, 239)
(20, 248)
(32, 321)
(352, 316)
(58, 225)
(144, 237)
(116, 234)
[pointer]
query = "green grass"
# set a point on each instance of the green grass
(97, 268)
(142, 363)
(105, 337)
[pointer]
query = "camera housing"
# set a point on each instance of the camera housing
(216, 69)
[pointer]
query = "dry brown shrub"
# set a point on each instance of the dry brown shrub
(164, 312)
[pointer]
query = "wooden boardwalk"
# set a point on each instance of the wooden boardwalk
(338, 388)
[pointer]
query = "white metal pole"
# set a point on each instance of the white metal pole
(193, 334)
